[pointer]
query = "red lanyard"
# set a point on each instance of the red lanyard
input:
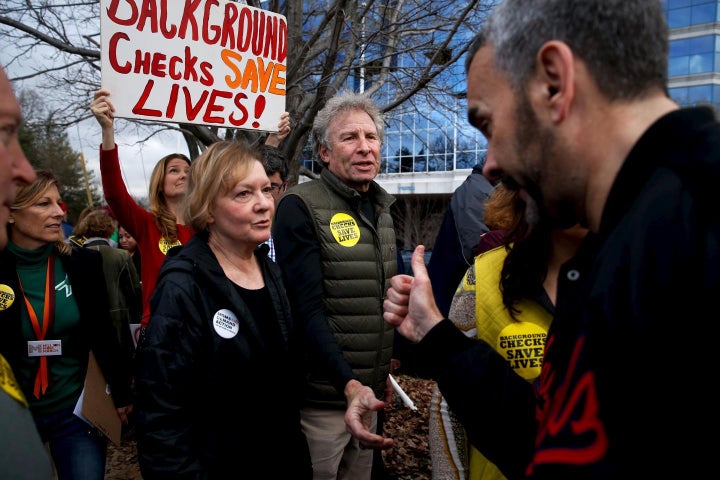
(41, 378)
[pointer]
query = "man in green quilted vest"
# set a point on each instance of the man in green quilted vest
(335, 241)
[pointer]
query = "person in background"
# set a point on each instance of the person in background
(162, 227)
(335, 241)
(219, 383)
(155, 231)
(591, 136)
(447, 442)
(456, 245)
(276, 167)
(79, 240)
(458, 237)
(114, 239)
(22, 455)
(66, 227)
(59, 314)
(121, 278)
(507, 299)
(127, 242)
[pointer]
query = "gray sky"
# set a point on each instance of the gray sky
(137, 155)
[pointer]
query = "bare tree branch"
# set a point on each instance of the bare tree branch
(406, 53)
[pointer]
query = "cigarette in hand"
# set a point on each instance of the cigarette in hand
(403, 396)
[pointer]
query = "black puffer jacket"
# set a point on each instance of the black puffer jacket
(216, 394)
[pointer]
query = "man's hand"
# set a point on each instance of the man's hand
(410, 306)
(358, 416)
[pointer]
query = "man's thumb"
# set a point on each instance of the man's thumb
(417, 262)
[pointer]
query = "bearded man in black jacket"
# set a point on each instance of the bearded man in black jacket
(572, 98)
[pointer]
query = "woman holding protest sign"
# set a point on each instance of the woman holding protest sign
(163, 227)
(157, 230)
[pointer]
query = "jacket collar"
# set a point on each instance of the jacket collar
(378, 195)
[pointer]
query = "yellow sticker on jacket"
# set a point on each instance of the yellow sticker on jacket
(345, 229)
(7, 296)
(165, 245)
(523, 346)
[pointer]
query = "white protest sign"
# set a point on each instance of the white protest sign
(208, 62)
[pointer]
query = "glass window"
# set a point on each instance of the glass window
(678, 66)
(701, 63)
(700, 95)
(696, 95)
(679, 18)
(703, 14)
(679, 48)
(692, 55)
(408, 144)
(702, 44)
(673, 4)
(393, 165)
(679, 94)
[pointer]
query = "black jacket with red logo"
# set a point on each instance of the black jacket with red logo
(631, 354)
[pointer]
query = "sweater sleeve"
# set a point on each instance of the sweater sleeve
(133, 218)
(297, 251)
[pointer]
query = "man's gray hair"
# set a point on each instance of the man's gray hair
(623, 43)
(343, 102)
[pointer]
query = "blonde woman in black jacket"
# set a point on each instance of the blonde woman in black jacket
(218, 382)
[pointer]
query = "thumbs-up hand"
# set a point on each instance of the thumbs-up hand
(410, 306)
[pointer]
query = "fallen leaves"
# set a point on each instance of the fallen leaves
(409, 459)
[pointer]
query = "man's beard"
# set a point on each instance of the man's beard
(531, 143)
(536, 146)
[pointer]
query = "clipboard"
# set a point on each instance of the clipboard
(95, 405)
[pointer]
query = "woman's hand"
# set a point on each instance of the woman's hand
(104, 112)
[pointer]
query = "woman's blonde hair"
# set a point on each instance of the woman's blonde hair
(213, 174)
(164, 217)
(28, 195)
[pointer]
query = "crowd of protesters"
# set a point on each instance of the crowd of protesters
(277, 365)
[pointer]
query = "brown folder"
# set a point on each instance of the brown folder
(97, 404)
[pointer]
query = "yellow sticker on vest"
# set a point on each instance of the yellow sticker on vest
(345, 229)
(7, 296)
(165, 245)
(523, 346)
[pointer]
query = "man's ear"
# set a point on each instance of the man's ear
(556, 80)
(323, 154)
(11, 219)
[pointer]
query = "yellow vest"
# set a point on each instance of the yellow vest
(521, 342)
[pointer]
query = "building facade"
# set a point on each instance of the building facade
(694, 63)
(428, 152)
